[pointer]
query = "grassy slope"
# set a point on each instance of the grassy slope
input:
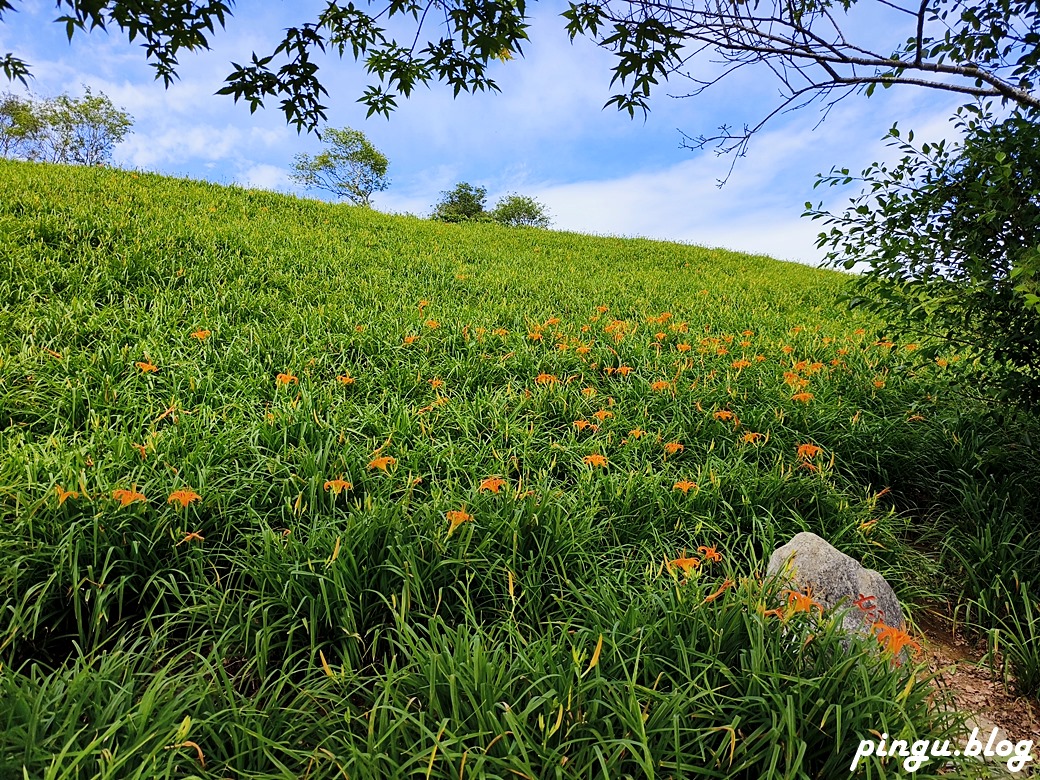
(309, 632)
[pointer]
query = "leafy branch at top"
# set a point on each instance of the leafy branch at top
(818, 50)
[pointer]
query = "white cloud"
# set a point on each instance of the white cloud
(265, 177)
(177, 144)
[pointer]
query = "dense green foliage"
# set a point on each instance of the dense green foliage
(64, 129)
(261, 352)
(950, 236)
(466, 203)
(462, 203)
(19, 125)
(520, 211)
(349, 167)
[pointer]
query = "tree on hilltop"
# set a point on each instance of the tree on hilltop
(20, 126)
(63, 129)
(462, 203)
(350, 167)
(520, 211)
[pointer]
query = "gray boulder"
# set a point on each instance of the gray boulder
(808, 561)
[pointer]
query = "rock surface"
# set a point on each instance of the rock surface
(834, 578)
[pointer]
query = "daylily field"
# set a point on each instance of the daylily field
(299, 490)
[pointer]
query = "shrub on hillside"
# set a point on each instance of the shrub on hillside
(462, 203)
(520, 211)
(950, 235)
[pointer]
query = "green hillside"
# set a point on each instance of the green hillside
(291, 489)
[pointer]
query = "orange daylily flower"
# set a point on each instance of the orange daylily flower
(436, 383)
(382, 463)
(457, 518)
(588, 392)
(684, 347)
(287, 379)
(660, 385)
(602, 415)
(432, 324)
(547, 379)
(725, 415)
(726, 585)
(127, 497)
(492, 483)
(894, 639)
(803, 397)
(534, 335)
(595, 460)
(752, 438)
(787, 349)
(624, 370)
(685, 486)
(337, 486)
(201, 335)
(879, 383)
(709, 553)
(146, 367)
(410, 339)
(740, 363)
(193, 536)
(183, 497)
(64, 494)
(808, 451)
(345, 379)
(423, 304)
(686, 564)
(802, 602)
(581, 425)
(602, 309)
(636, 433)
(500, 332)
(673, 447)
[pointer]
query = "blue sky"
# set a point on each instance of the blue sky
(546, 134)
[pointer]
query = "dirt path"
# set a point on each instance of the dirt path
(975, 687)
